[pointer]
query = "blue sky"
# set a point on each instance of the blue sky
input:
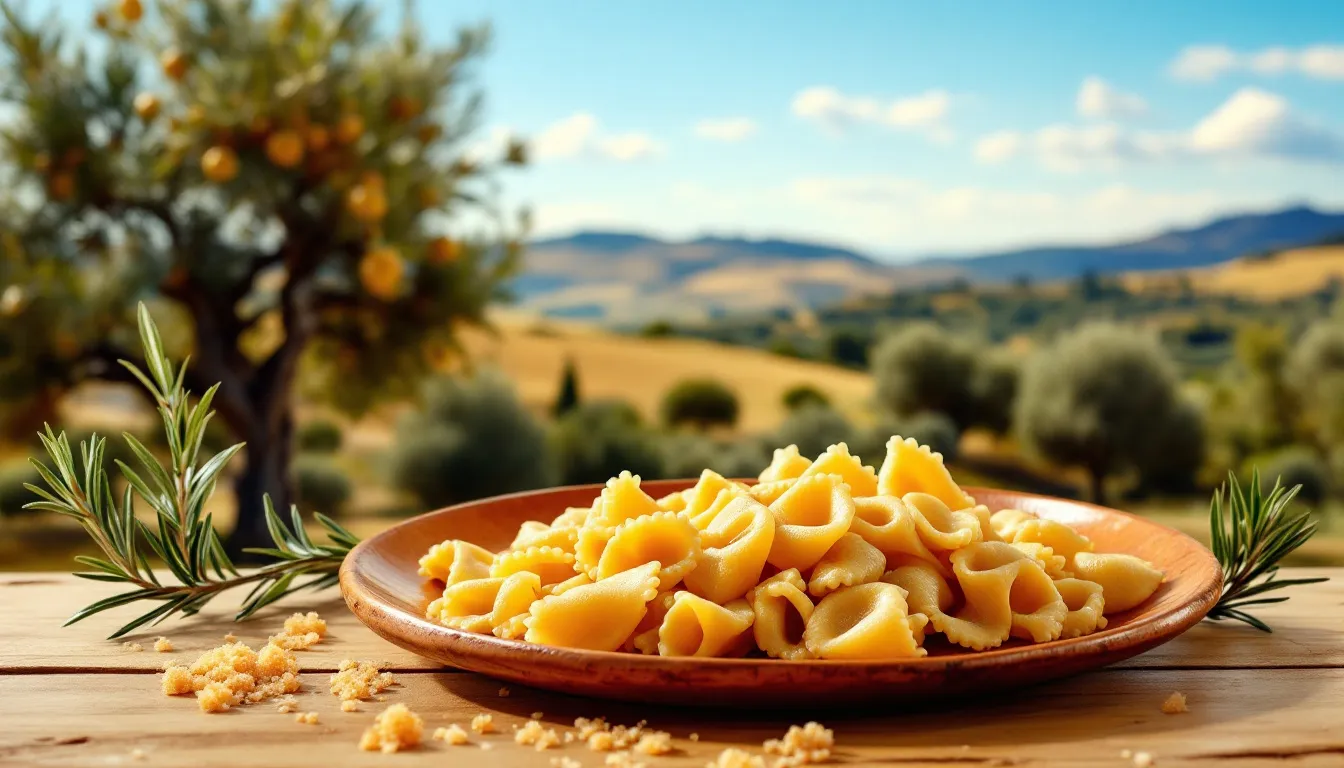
(903, 128)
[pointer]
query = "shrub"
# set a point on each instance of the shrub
(1173, 460)
(1092, 399)
(1316, 372)
(803, 395)
(687, 455)
(1298, 465)
(702, 403)
(320, 485)
(924, 368)
(567, 399)
(319, 436)
(994, 390)
(472, 438)
(935, 430)
(848, 346)
(599, 440)
(13, 475)
(658, 329)
(814, 430)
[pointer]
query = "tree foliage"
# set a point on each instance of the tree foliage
(1316, 370)
(567, 398)
(814, 429)
(1094, 400)
(1172, 462)
(924, 368)
(597, 441)
(320, 436)
(320, 485)
(286, 182)
(802, 396)
(701, 403)
(472, 438)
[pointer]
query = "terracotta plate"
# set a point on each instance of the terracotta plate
(380, 584)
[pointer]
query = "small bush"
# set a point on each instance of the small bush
(319, 436)
(848, 346)
(933, 429)
(803, 395)
(597, 441)
(687, 455)
(702, 403)
(814, 430)
(922, 367)
(1298, 465)
(320, 485)
(567, 398)
(13, 474)
(658, 329)
(471, 439)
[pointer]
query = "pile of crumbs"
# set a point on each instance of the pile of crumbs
(349, 705)
(163, 645)
(483, 723)
(302, 631)
(287, 704)
(601, 736)
(307, 718)
(810, 743)
(736, 758)
(1175, 704)
(132, 647)
(533, 734)
(356, 680)
(453, 735)
(395, 729)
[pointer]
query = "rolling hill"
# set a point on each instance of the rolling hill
(627, 277)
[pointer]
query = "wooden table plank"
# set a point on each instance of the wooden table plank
(86, 720)
(1309, 629)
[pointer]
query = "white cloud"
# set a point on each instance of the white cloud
(580, 135)
(1098, 99)
(557, 218)
(1202, 63)
(1251, 124)
(728, 129)
(926, 112)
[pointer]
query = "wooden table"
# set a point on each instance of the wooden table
(69, 697)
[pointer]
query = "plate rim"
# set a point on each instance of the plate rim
(366, 605)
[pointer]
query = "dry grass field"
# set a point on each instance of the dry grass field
(1286, 274)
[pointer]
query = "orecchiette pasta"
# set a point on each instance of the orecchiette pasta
(821, 558)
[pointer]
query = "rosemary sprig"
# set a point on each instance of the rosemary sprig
(182, 536)
(1251, 533)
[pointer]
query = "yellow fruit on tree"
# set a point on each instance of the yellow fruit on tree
(367, 203)
(61, 186)
(147, 106)
(444, 250)
(349, 128)
(219, 164)
(100, 20)
(131, 10)
(284, 148)
(380, 272)
(174, 64)
(318, 138)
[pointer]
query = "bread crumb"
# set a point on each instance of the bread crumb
(588, 727)
(533, 734)
(287, 704)
(302, 631)
(1125, 754)
(483, 723)
(234, 674)
(565, 762)
(503, 693)
(569, 737)
(395, 729)
(307, 718)
(694, 737)
(654, 743)
(453, 734)
(736, 758)
(810, 743)
(163, 645)
(1175, 704)
(538, 715)
(132, 647)
(349, 705)
(487, 745)
(230, 638)
(1143, 760)
(137, 754)
(359, 680)
(601, 742)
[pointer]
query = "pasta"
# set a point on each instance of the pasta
(821, 558)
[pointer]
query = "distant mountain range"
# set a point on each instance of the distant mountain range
(627, 277)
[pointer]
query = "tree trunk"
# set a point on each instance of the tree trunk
(265, 473)
(1098, 483)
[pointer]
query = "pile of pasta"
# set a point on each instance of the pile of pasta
(820, 559)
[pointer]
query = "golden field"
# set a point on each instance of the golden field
(1283, 275)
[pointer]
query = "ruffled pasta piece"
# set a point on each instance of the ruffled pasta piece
(514, 599)
(621, 500)
(694, 626)
(573, 517)
(849, 562)
(787, 464)
(1060, 538)
(1086, 605)
(577, 580)
(1053, 565)
(939, 527)
(733, 552)
(782, 610)
(513, 629)
(837, 460)
(886, 523)
(927, 590)
(645, 637)
(913, 468)
(869, 621)
(983, 516)
(1125, 580)
(767, 493)
(673, 502)
(707, 489)
(703, 520)
(467, 605)
(534, 534)
(1005, 593)
(1006, 522)
(666, 537)
(809, 518)
(552, 564)
(456, 560)
(589, 546)
(598, 616)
